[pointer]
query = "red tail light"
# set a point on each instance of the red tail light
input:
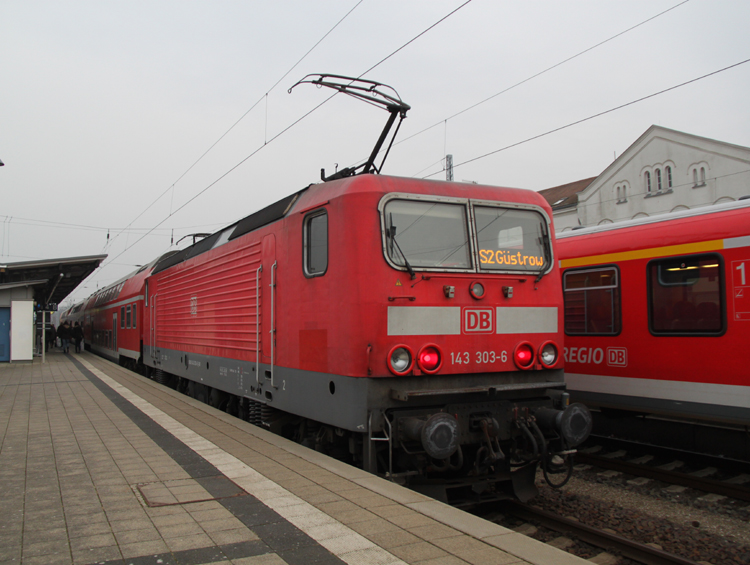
(430, 359)
(524, 355)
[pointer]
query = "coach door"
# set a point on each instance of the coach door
(268, 282)
(4, 334)
(151, 304)
(114, 331)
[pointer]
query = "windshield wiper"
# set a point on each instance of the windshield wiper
(547, 246)
(391, 233)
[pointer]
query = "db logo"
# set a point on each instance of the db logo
(479, 320)
(617, 357)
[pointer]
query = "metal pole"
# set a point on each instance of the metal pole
(44, 335)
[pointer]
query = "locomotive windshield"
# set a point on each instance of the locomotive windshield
(510, 239)
(427, 234)
(435, 235)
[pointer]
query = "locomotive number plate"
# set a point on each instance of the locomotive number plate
(478, 357)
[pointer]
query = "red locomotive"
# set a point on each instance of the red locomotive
(411, 327)
(657, 314)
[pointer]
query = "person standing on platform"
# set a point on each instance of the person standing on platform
(51, 336)
(77, 335)
(64, 334)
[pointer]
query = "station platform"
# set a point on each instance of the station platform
(100, 465)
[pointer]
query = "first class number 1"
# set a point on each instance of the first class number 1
(466, 357)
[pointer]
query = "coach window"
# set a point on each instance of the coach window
(592, 301)
(127, 314)
(686, 295)
(134, 317)
(315, 243)
(427, 235)
(122, 317)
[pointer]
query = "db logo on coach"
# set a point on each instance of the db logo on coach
(478, 320)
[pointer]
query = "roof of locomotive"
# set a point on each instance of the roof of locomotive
(318, 194)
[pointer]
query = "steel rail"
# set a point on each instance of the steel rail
(640, 552)
(714, 486)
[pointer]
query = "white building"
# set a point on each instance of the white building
(663, 171)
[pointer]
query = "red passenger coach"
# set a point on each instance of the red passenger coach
(657, 314)
(113, 319)
(412, 327)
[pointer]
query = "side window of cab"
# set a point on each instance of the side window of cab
(315, 243)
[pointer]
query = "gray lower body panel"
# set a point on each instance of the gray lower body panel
(346, 402)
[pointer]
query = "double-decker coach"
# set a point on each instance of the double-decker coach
(657, 314)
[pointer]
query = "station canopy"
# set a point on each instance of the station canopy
(53, 279)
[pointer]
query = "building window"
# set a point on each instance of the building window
(658, 180)
(685, 295)
(315, 243)
(592, 301)
(622, 193)
(669, 177)
(698, 182)
(647, 180)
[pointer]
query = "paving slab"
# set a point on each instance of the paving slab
(100, 465)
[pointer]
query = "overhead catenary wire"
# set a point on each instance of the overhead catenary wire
(283, 131)
(215, 143)
(597, 115)
(536, 75)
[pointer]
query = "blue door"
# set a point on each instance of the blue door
(4, 334)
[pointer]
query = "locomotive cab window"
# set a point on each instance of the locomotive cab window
(510, 239)
(428, 235)
(686, 295)
(592, 301)
(315, 244)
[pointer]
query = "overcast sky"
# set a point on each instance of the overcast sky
(104, 105)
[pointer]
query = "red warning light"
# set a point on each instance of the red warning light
(429, 359)
(524, 356)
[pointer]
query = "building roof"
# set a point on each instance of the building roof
(565, 195)
(53, 279)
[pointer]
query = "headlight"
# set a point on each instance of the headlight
(476, 289)
(400, 360)
(548, 354)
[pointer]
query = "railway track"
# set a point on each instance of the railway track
(641, 460)
(608, 541)
(705, 484)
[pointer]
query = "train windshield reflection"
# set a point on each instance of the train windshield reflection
(427, 234)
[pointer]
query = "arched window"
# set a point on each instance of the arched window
(624, 192)
(703, 175)
(695, 177)
(669, 177)
(658, 180)
(647, 181)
